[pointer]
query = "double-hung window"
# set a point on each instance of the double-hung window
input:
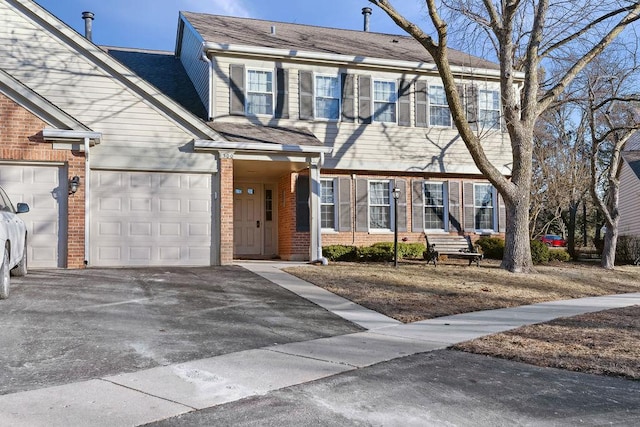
(489, 109)
(259, 92)
(483, 206)
(379, 205)
(327, 97)
(434, 206)
(439, 114)
(385, 98)
(327, 204)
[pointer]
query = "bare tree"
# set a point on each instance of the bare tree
(522, 34)
(612, 107)
(561, 173)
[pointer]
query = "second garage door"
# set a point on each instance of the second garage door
(150, 218)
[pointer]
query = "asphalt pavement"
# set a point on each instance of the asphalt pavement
(327, 363)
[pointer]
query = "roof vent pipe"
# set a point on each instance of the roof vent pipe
(88, 18)
(366, 11)
(273, 30)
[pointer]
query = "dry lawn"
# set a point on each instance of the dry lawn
(603, 343)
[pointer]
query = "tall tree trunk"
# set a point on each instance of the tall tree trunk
(571, 235)
(517, 245)
(610, 244)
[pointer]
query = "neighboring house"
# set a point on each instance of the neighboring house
(261, 139)
(629, 200)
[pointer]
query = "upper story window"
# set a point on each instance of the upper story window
(385, 98)
(434, 206)
(439, 114)
(489, 109)
(327, 95)
(259, 92)
(327, 204)
(483, 206)
(379, 205)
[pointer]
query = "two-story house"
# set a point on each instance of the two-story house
(375, 101)
(252, 139)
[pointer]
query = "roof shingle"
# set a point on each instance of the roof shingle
(306, 38)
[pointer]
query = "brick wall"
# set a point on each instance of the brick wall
(226, 210)
(21, 140)
(292, 245)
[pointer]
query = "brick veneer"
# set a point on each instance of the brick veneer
(292, 245)
(226, 209)
(21, 141)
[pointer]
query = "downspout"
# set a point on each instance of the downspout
(87, 198)
(209, 105)
(315, 188)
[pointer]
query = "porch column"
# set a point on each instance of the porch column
(315, 250)
(225, 170)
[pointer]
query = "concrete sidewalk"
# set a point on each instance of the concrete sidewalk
(158, 393)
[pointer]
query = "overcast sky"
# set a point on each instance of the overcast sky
(151, 24)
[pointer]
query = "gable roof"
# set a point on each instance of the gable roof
(48, 23)
(226, 30)
(37, 105)
(164, 71)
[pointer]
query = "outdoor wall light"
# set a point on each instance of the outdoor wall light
(74, 183)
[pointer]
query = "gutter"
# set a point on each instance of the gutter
(231, 49)
(205, 145)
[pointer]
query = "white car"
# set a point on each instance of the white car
(13, 238)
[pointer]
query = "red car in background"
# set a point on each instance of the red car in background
(553, 240)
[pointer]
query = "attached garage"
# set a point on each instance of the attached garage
(150, 219)
(40, 187)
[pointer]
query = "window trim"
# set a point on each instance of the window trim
(482, 124)
(338, 77)
(445, 206)
(494, 208)
(273, 91)
(429, 105)
(335, 212)
(373, 101)
(369, 205)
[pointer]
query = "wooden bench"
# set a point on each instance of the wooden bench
(453, 246)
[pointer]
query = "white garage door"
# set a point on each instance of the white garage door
(39, 186)
(150, 218)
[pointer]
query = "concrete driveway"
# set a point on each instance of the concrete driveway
(63, 326)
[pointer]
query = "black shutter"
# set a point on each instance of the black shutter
(282, 94)
(404, 103)
(454, 206)
(417, 205)
(236, 88)
(469, 211)
(306, 95)
(302, 204)
(362, 205)
(348, 98)
(401, 184)
(421, 104)
(364, 99)
(344, 204)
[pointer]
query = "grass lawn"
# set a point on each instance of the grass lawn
(603, 343)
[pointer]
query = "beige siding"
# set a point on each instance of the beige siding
(629, 204)
(378, 146)
(94, 96)
(196, 68)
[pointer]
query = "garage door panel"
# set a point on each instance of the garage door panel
(151, 222)
(43, 188)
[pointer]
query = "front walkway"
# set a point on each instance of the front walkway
(158, 393)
